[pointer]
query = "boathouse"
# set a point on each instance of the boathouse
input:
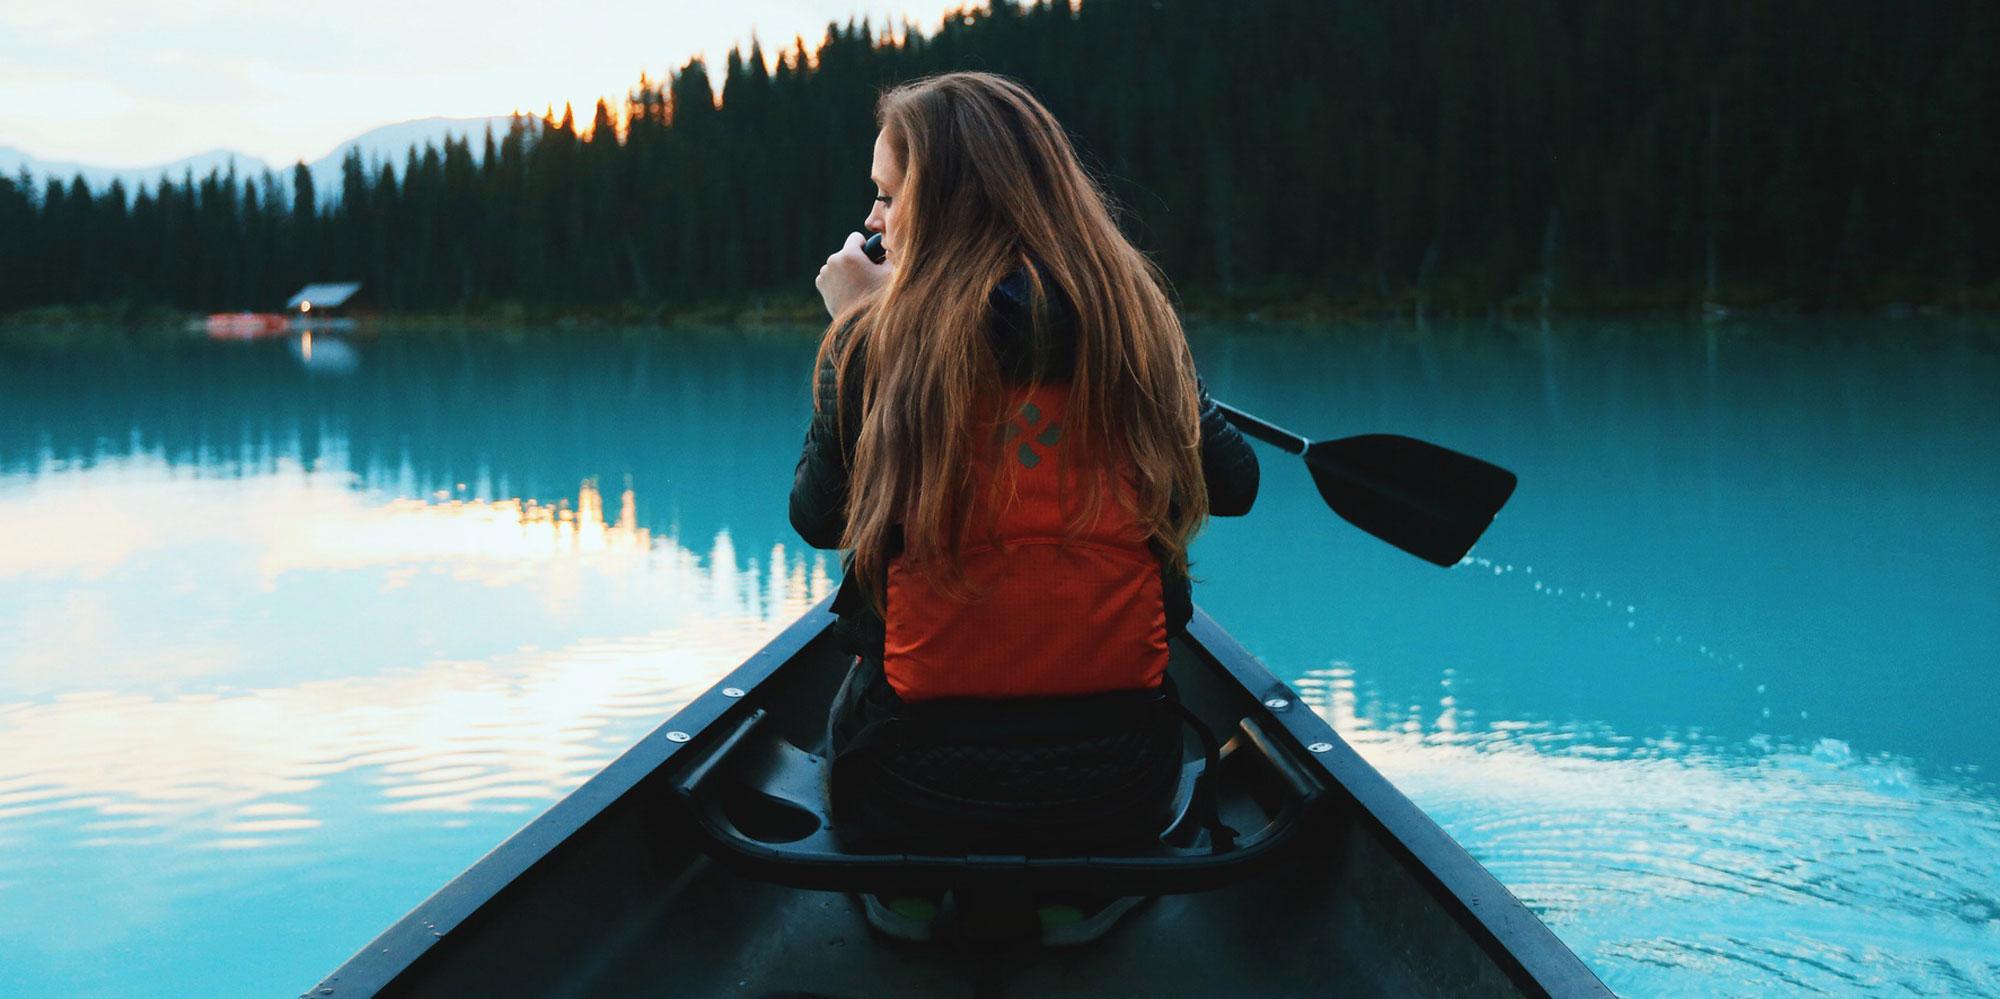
(328, 300)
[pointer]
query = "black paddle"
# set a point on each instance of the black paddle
(1427, 500)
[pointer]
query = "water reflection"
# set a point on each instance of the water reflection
(453, 734)
(325, 353)
(696, 425)
(253, 697)
(1682, 859)
(449, 734)
(491, 541)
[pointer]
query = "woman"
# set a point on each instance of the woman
(1010, 440)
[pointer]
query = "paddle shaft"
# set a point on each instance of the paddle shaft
(1269, 433)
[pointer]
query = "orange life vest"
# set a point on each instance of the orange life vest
(1051, 614)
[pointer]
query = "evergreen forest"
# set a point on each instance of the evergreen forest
(1326, 155)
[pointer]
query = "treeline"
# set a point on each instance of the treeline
(1367, 154)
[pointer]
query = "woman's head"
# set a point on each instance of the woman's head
(983, 182)
(974, 155)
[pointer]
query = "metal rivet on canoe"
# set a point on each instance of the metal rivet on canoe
(732, 691)
(678, 736)
(1276, 703)
(1319, 747)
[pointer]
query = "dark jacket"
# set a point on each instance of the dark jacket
(820, 485)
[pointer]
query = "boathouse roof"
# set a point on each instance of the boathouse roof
(324, 296)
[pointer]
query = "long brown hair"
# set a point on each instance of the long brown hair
(990, 181)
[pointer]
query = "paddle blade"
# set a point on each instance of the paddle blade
(1427, 500)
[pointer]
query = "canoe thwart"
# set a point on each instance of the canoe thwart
(760, 807)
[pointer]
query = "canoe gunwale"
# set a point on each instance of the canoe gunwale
(404, 943)
(1532, 955)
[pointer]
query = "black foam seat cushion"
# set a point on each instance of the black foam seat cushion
(759, 804)
(1007, 777)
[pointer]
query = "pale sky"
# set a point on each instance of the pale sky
(129, 83)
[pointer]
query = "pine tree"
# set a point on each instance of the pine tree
(1814, 153)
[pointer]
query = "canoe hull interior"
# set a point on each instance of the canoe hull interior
(619, 896)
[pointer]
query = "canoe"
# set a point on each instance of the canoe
(699, 863)
(235, 325)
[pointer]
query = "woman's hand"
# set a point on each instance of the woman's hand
(849, 276)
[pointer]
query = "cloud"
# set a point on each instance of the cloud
(123, 83)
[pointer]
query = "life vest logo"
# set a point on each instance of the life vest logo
(1025, 423)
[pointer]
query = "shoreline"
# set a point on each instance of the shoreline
(803, 316)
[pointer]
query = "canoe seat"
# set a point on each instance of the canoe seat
(760, 806)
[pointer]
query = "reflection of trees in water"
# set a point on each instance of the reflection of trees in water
(692, 420)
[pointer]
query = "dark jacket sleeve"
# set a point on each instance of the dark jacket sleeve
(819, 500)
(1228, 465)
(819, 484)
(1229, 469)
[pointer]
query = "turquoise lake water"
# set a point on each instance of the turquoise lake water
(295, 630)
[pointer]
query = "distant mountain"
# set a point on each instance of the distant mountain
(389, 143)
(392, 144)
(14, 161)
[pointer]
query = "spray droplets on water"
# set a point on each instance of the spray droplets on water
(1659, 633)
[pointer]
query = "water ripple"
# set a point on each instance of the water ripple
(1691, 869)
